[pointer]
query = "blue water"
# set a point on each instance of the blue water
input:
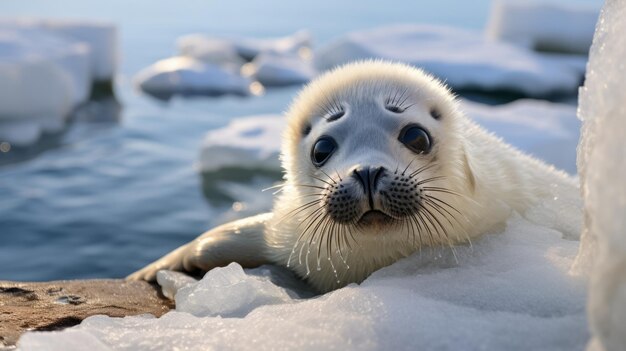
(113, 193)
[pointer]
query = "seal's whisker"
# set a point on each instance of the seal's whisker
(309, 186)
(299, 209)
(423, 169)
(407, 166)
(282, 185)
(329, 177)
(320, 179)
(431, 179)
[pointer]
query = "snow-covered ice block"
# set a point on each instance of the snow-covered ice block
(543, 26)
(188, 76)
(272, 69)
(462, 58)
(602, 160)
(509, 291)
(548, 131)
(247, 142)
(204, 46)
(100, 37)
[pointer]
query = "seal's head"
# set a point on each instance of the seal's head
(373, 155)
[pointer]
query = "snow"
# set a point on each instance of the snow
(189, 76)
(47, 69)
(462, 58)
(248, 142)
(602, 162)
(508, 291)
(543, 26)
(546, 130)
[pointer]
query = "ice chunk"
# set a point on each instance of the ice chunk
(462, 58)
(171, 282)
(41, 74)
(548, 131)
(99, 37)
(602, 161)
(543, 26)
(272, 69)
(247, 142)
(229, 292)
(208, 47)
(47, 69)
(188, 76)
(509, 291)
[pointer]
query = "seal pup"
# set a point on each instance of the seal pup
(379, 163)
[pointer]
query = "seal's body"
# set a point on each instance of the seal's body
(379, 162)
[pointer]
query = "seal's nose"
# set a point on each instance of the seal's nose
(368, 177)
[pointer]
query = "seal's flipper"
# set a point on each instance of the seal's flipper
(240, 241)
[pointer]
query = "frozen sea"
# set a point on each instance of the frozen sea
(119, 188)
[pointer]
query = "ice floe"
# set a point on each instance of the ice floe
(210, 65)
(247, 143)
(464, 59)
(204, 46)
(509, 291)
(602, 159)
(543, 26)
(188, 76)
(47, 69)
(271, 69)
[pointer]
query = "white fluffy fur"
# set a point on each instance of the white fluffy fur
(491, 177)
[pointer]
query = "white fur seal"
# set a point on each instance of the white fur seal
(379, 162)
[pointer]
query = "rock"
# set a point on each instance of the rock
(61, 304)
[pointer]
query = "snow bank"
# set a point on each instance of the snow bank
(548, 131)
(188, 76)
(509, 291)
(602, 160)
(247, 142)
(543, 26)
(462, 58)
(47, 69)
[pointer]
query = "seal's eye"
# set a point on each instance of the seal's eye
(416, 139)
(323, 148)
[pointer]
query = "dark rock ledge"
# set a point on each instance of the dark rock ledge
(61, 304)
